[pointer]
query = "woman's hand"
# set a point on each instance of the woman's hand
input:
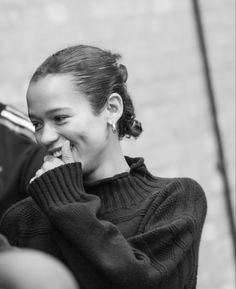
(51, 162)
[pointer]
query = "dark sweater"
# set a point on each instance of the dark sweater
(133, 230)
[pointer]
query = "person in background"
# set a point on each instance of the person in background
(20, 156)
(31, 269)
(103, 214)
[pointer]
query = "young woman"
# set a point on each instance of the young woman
(106, 216)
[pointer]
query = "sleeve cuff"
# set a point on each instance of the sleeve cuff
(59, 186)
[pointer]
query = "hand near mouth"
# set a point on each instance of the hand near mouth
(51, 162)
(66, 153)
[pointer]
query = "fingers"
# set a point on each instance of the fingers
(31, 180)
(66, 152)
(48, 158)
(49, 164)
(37, 174)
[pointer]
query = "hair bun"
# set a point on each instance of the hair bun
(123, 72)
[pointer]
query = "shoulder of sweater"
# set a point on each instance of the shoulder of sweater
(179, 197)
(179, 201)
(181, 186)
(192, 188)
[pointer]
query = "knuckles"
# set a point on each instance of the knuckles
(49, 164)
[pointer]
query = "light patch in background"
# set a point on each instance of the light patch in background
(13, 16)
(163, 6)
(139, 7)
(210, 232)
(56, 12)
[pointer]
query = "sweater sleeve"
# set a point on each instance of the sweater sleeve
(164, 248)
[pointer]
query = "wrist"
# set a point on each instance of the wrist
(60, 185)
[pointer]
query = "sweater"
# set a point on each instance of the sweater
(133, 230)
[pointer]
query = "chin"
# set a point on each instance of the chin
(89, 173)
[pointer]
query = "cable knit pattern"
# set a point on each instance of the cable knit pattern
(133, 230)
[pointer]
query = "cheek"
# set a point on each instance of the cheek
(93, 139)
(69, 131)
(38, 137)
(91, 132)
(99, 132)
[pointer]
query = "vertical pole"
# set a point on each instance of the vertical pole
(218, 139)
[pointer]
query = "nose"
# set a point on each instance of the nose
(48, 135)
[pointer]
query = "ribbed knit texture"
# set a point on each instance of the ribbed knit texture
(132, 230)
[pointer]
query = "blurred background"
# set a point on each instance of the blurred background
(184, 94)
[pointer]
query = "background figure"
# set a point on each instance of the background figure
(4, 244)
(20, 156)
(31, 269)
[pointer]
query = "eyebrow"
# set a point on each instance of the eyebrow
(51, 111)
(57, 110)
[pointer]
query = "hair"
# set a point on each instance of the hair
(97, 74)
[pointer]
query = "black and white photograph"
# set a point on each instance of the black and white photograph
(117, 144)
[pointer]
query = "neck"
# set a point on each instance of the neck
(111, 162)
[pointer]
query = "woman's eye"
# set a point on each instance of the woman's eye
(60, 118)
(37, 125)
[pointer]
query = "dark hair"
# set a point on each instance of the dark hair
(97, 74)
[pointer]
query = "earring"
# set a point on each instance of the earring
(113, 127)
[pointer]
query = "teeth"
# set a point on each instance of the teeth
(57, 154)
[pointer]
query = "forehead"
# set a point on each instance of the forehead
(51, 85)
(54, 91)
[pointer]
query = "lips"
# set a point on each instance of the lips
(56, 152)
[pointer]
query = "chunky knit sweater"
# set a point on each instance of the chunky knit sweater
(133, 230)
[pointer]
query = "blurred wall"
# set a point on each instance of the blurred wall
(157, 39)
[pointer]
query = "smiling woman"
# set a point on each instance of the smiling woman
(112, 222)
(60, 112)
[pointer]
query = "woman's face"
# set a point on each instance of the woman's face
(60, 112)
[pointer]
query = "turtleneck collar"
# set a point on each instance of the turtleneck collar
(125, 189)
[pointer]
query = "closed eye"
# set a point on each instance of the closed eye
(60, 119)
(37, 125)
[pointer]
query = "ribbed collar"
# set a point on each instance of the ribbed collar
(126, 189)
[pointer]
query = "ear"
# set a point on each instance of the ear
(114, 108)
